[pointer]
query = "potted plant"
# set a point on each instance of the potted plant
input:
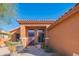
(12, 46)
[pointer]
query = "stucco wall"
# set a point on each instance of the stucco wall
(64, 37)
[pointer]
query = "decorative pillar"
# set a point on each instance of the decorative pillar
(23, 35)
(46, 36)
(36, 37)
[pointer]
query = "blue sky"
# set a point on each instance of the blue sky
(38, 11)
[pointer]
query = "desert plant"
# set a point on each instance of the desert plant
(12, 46)
(10, 43)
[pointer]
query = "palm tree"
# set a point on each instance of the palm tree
(7, 12)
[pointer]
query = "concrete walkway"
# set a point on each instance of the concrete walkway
(30, 51)
(33, 51)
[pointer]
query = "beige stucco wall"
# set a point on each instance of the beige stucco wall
(64, 37)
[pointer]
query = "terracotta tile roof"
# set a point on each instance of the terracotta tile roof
(35, 21)
(73, 10)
